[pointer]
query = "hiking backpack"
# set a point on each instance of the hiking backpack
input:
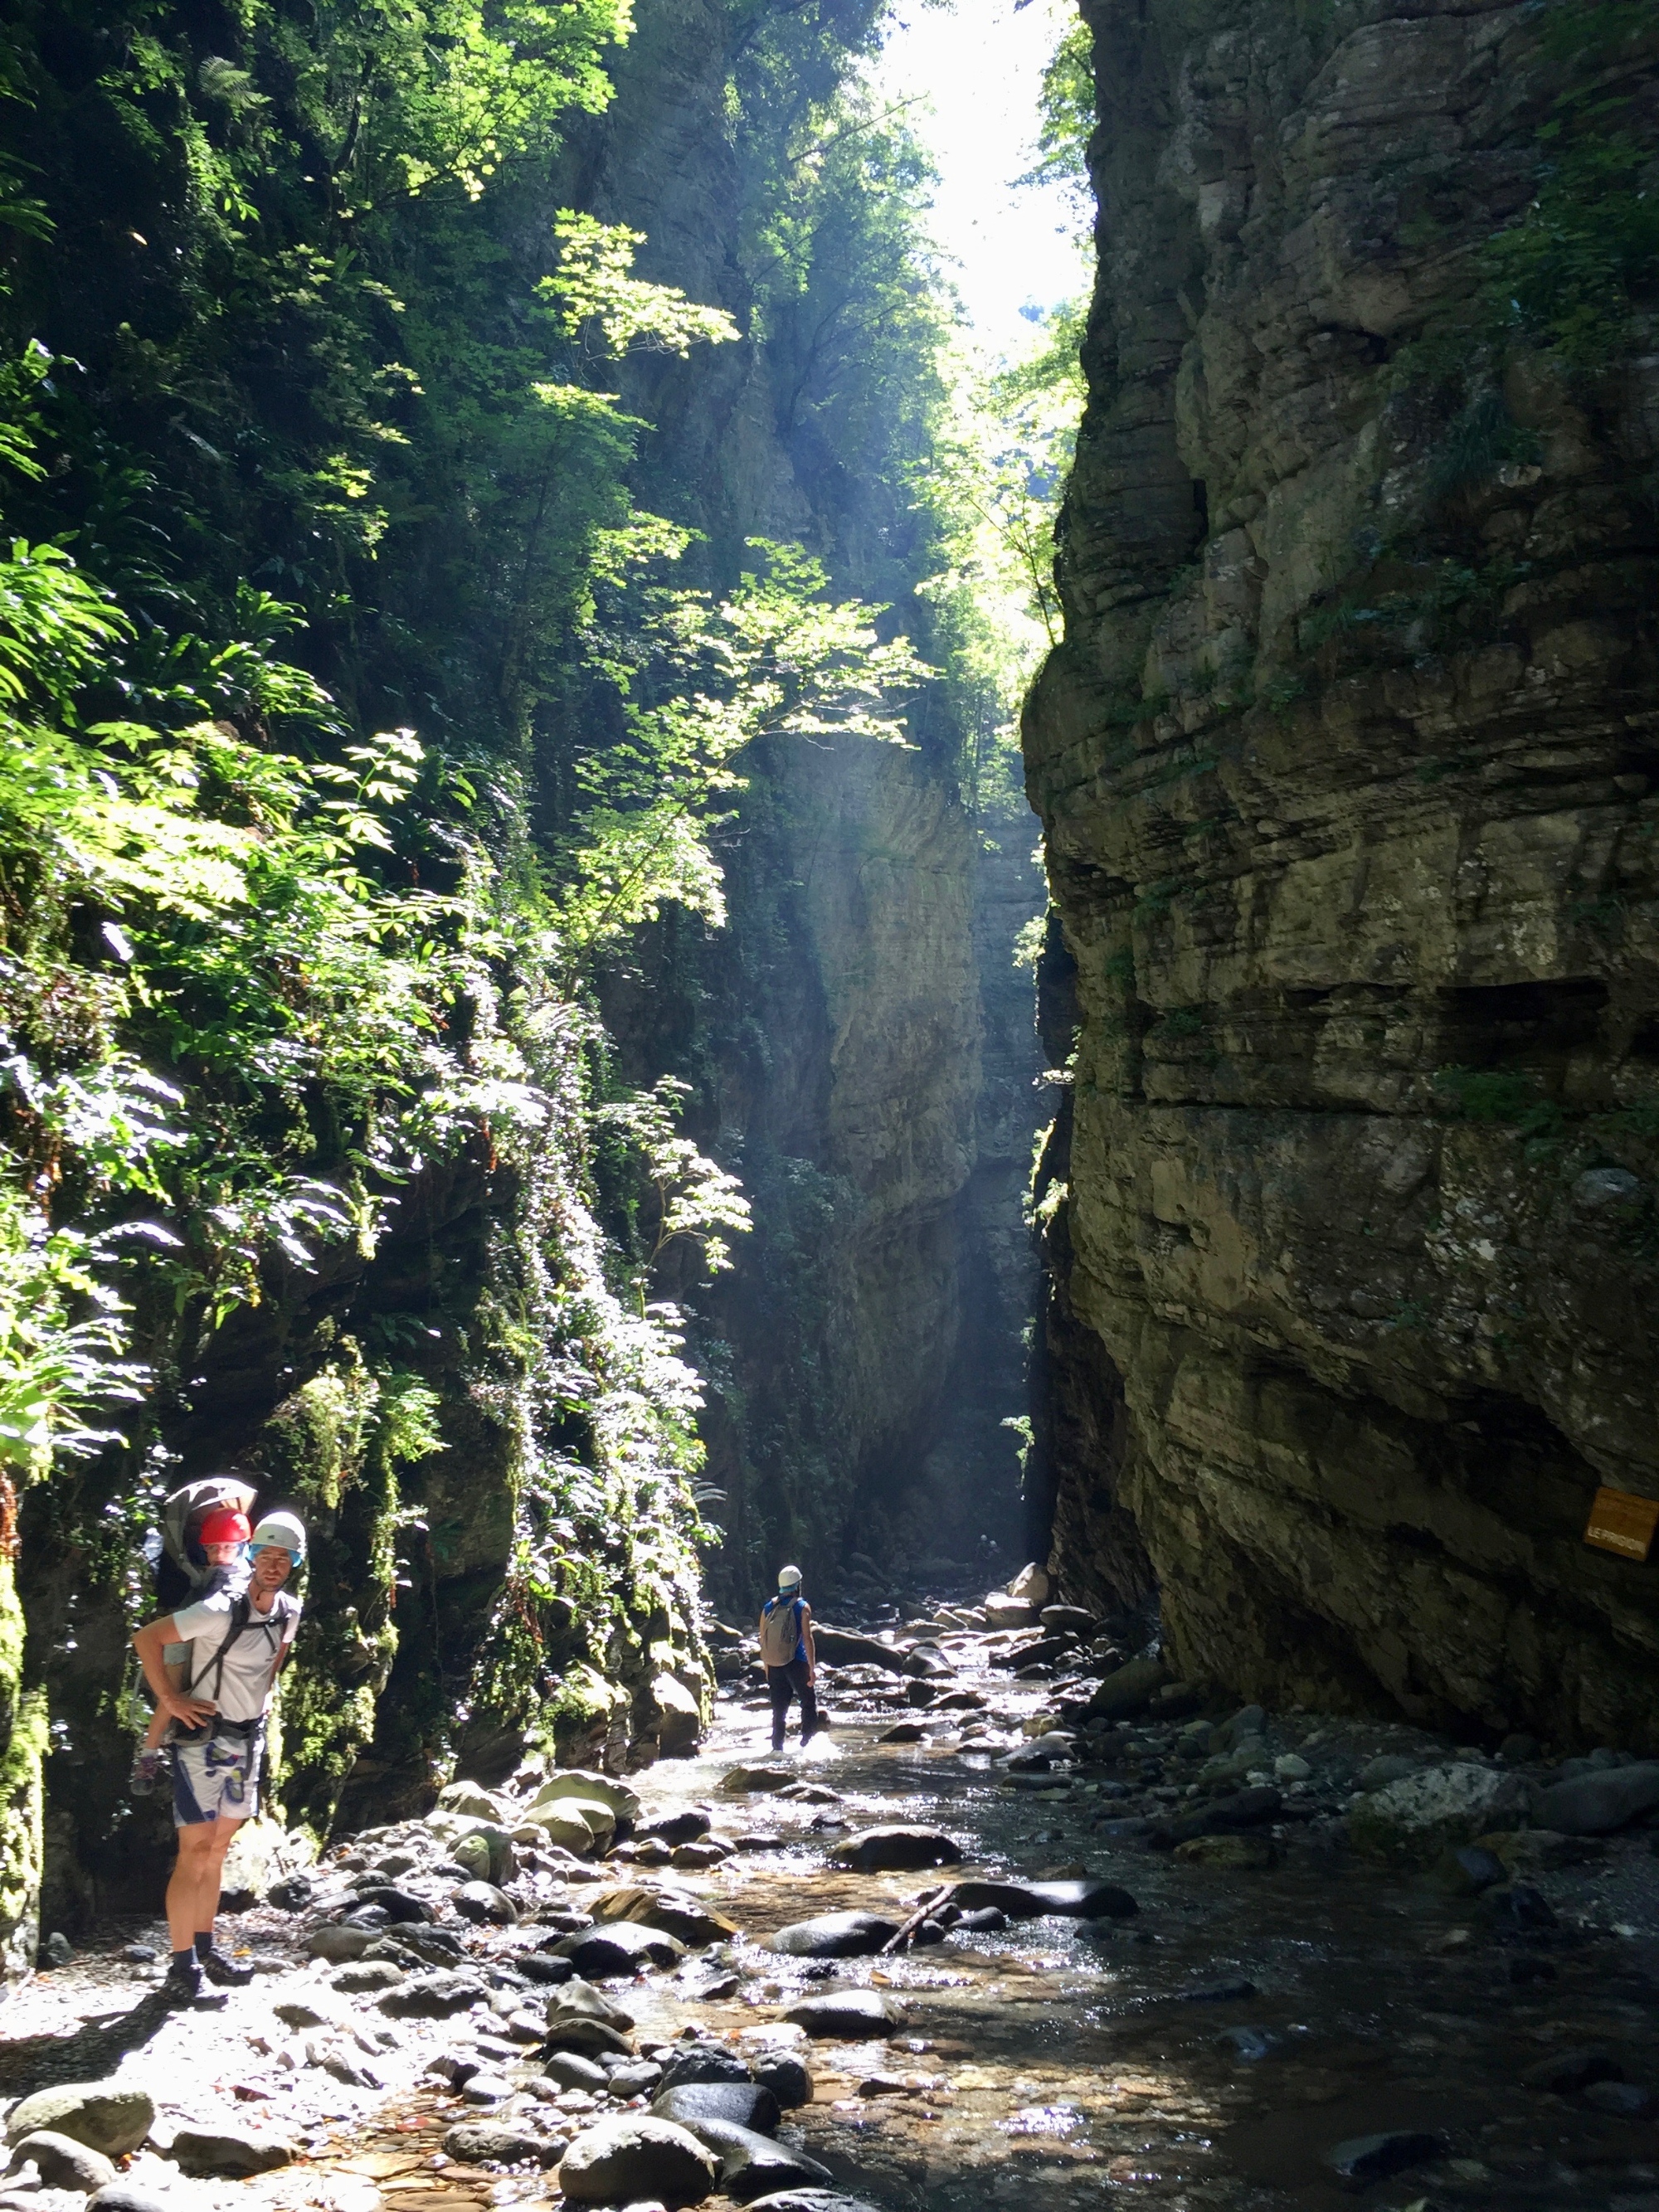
(780, 1633)
(178, 1565)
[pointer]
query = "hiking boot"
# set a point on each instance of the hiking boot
(182, 1983)
(149, 1772)
(223, 1971)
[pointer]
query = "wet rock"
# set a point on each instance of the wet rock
(1364, 2158)
(107, 2116)
(756, 1781)
(985, 1920)
(399, 1905)
(1229, 1854)
(702, 2062)
(1233, 1992)
(694, 1858)
(571, 2070)
(642, 2079)
(1082, 1899)
(852, 2015)
(1393, 1766)
(339, 1943)
(1032, 1584)
(230, 2150)
(1129, 1691)
(139, 1955)
(1626, 2100)
(752, 2165)
(431, 1946)
(481, 1901)
(1250, 2045)
(1069, 1620)
(583, 1783)
(683, 1827)
(1411, 1822)
(491, 2142)
(432, 1997)
(368, 1974)
(624, 1947)
(839, 1647)
(687, 1921)
(1597, 1804)
(897, 1846)
(742, 2104)
(623, 2160)
(541, 1966)
(903, 1732)
(784, 2075)
(1470, 1869)
(122, 2197)
(834, 1935)
(293, 2012)
(1002, 1611)
(1564, 2071)
(292, 1894)
(61, 2161)
(810, 2200)
(1242, 1808)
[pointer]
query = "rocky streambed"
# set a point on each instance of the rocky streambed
(1024, 1919)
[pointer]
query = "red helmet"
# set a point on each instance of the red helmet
(225, 1526)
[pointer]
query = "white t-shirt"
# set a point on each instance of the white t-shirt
(243, 1686)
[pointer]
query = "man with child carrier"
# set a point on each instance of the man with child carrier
(212, 1664)
(791, 1662)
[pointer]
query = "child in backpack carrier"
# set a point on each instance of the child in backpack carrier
(222, 1538)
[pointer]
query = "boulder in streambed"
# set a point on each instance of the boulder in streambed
(756, 1781)
(432, 1997)
(108, 2115)
(1597, 1804)
(784, 2075)
(122, 2197)
(626, 2161)
(672, 1912)
(898, 1846)
(810, 2200)
(1229, 1854)
(702, 2062)
(742, 2104)
(581, 1783)
(1412, 1822)
(753, 2165)
(1129, 1691)
(850, 2015)
(834, 1935)
(842, 1647)
(687, 1827)
(624, 1947)
(1084, 1899)
(230, 2149)
(61, 2161)
(492, 2143)
(572, 2071)
(1364, 2158)
(338, 1944)
(903, 1732)
(481, 1901)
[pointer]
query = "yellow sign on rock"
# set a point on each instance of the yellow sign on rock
(1621, 1523)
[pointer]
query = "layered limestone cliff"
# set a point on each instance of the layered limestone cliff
(1349, 770)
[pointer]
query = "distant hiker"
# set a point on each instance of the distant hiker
(791, 1666)
(221, 1539)
(237, 1643)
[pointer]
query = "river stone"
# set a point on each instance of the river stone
(1002, 1611)
(1366, 2158)
(1597, 1804)
(624, 1947)
(676, 1828)
(122, 2197)
(810, 2200)
(580, 1997)
(1564, 2071)
(337, 1943)
(834, 1935)
(753, 2165)
(561, 1825)
(784, 2075)
(471, 1798)
(572, 2071)
(432, 1997)
(593, 2036)
(62, 2161)
(230, 2150)
(744, 2103)
(482, 1902)
(897, 1846)
(108, 2115)
(842, 1647)
(622, 2162)
(293, 2012)
(491, 2142)
(1129, 1691)
(903, 1732)
(702, 2062)
(1229, 1854)
(541, 1966)
(1411, 1822)
(683, 1918)
(756, 1781)
(1031, 1900)
(622, 1803)
(367, 1974)
(854, 2015)
(400, 1905)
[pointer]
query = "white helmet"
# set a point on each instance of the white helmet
(789, 1578)
(284, 1530)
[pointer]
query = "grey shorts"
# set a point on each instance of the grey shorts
(216, 1777)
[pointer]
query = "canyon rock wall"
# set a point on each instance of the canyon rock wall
(1349, 771)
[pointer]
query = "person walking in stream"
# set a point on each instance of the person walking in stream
(791, 1662)
(237, 1642)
